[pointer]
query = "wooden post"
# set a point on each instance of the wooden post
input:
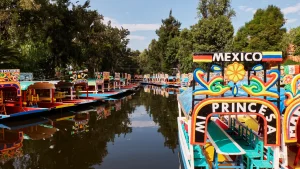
(71, 90)
(52, 95)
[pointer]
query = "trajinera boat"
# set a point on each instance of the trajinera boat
(236, 115)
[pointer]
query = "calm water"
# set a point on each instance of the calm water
(138, 131)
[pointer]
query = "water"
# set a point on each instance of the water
(138, 131)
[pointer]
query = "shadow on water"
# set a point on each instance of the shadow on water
(137, 131)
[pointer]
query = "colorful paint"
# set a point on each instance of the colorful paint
(259, 88)
(106, 75)
(79, 76)
(213, 88)
(237, 105)
(292, 112)
(238, 57)
(9, 75)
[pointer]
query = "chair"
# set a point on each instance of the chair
(199, 158)
(268, 163)
(254, 154)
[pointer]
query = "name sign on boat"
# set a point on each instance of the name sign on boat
(238, 57)
(257, 106)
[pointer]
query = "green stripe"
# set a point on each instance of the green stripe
(221, 140)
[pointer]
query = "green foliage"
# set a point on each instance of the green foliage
(290, 62)
(212, 34)
(61, 34)
(263, 32)
(215, 8)
(185, 51)
(161, 54)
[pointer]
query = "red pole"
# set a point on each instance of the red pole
(52, 96)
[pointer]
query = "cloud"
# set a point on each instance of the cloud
(132, 27)
(136, 37)
(142, 124)
(247, 9)
(288, 21)
(292, 9)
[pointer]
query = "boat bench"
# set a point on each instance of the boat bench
(199, 158)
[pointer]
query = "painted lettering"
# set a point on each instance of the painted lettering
(215, 106)
(257, 56)
(271, 129)
(241, 107)
(270, 118)
(250, 107)
(200, 126)
(262, 110)
(238, 57)
(225, 107)
(218, 57)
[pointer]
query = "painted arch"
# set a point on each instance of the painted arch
(291, 115)
(238, 105)
(12, 84)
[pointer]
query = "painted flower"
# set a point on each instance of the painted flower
(287, 79)
(235, 72)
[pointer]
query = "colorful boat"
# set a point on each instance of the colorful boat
(12, 102)
(65, 93)
(42, 95)
(211, 115)
(11, 143)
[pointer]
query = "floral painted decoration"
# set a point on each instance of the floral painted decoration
(235, 72)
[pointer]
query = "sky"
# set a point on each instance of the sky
(143, 17)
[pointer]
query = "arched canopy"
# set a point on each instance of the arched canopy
(237, 105)
(12, 84)
(42, 85)
(62, 84)
(291, 116)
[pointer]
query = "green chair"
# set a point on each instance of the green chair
(264, 163)
(240, 134)
(257, 153)
(199, 158)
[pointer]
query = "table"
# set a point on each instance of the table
(224, 144)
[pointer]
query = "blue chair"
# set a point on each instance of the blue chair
(264, 163)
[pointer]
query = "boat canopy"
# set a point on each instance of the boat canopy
(25, 84)
(42, 85)
(92, 82)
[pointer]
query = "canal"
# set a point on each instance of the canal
(137, 131)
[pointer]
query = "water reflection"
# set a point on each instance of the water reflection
(163, 91)
(137, 131)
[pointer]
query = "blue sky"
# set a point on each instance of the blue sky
(143, 17)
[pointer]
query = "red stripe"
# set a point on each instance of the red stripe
(203, 57)
(272, 59)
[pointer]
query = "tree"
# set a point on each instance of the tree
(215, 8)
(167, 43)
(290, 38)
(263, 32)
(212, 34)
(184, 54)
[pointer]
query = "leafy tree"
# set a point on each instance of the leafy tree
(263, 32)
(290, 38)
(212, 34)
(167, 43)
(215, 8)
(185, 51)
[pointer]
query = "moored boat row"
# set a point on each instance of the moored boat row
(18, 98)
